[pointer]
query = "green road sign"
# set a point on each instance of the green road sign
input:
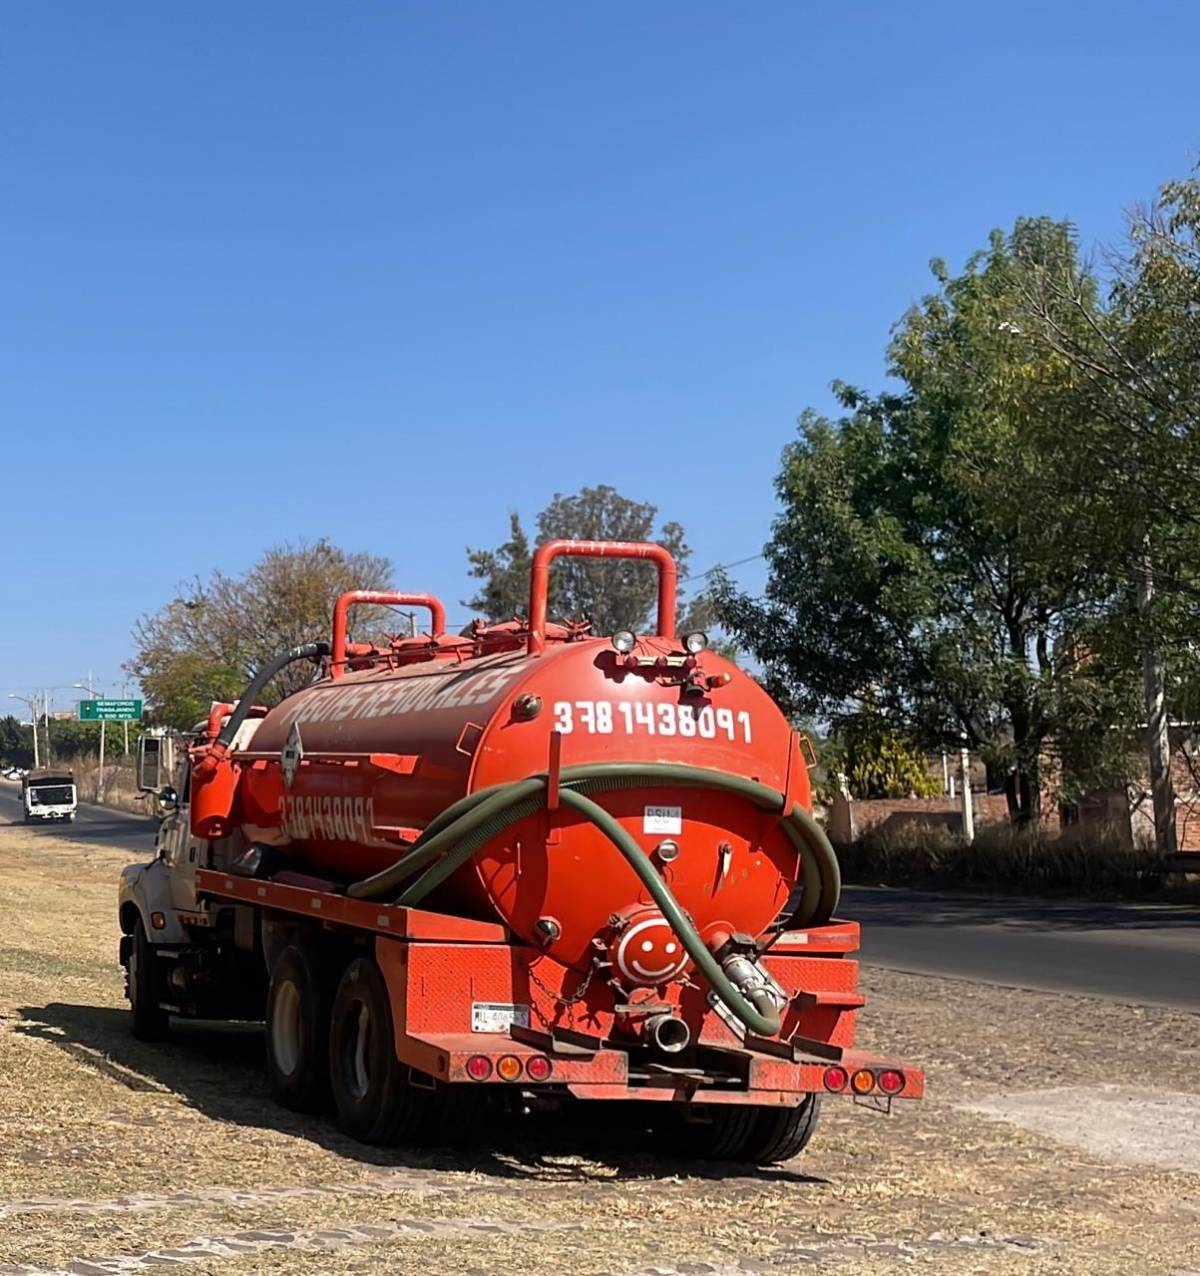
(110, 711)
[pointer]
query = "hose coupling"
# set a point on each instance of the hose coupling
(667, 1032)
(753, 982)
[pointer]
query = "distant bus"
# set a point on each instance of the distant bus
(48, 795)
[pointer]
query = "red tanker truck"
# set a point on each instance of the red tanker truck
(520, 863)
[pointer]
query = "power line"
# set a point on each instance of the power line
(722, 567)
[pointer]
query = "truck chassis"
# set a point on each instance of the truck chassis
(407, 1021)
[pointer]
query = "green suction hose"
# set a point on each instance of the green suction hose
(466, 826)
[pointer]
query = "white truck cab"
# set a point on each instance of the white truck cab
(170, 939)
(48, 795)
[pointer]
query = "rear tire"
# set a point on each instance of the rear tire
(297, 1020)
(782, 1133)
(145, 988)
(746, 1133)
(379, 1100)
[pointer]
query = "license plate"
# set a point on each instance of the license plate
(496, 1016)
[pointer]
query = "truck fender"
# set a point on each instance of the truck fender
(145, 889)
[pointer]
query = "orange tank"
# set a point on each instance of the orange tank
(342, 776)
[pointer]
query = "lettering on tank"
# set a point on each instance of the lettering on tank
(398, 696)
(608, 717)
(305, 817)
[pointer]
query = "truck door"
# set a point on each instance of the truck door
(181, 852)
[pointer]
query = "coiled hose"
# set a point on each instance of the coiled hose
(466, 826)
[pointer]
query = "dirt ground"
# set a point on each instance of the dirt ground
(1061, 1135)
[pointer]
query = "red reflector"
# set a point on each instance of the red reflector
(863, 1081)
(890, 1081)
(479, 1067)
(836, 1079)
(538, 1067)
(158, 921)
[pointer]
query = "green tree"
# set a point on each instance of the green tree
(927, 561)
(1137, 363)
(16, 742)
(205, 644)
(877, 762)
(504, 572)
(612, 593)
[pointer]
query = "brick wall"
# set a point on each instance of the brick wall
(850, 820)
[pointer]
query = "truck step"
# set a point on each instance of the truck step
(841, 1000)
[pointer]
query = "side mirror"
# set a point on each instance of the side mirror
(150, 764)
(168, 797)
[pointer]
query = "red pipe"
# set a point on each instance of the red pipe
(337, 660)
(539, 580)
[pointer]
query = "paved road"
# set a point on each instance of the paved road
(92, 824)
(1148, 954)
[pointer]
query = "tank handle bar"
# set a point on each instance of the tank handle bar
(539, 580)
(383, 597)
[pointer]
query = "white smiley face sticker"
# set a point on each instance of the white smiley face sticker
(649, 952)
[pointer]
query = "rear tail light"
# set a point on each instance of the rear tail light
(538, 1067)
(508, 1067)
(836, 1079)
(890, 1081)
(863, 1081)
(479, 1067)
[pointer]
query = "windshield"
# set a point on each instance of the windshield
(52, 795)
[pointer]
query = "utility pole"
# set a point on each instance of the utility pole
(33, 722)
(1158, 735)
(968, 810)
(100, 774)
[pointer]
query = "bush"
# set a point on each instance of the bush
(1093, 860)
(120, 787)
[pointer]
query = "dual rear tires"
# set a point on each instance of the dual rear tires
(331, 1044)
(754, 1135)
(297, 1023)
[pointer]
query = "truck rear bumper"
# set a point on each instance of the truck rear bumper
(727, 1076)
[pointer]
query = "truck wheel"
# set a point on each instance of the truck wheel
(710, 1133)
(298, 1009)
(145, 988)
(782, 1133)
(760, 1135)
(375, 1099)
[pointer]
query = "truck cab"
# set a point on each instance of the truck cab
(176, 949)
(48, 794)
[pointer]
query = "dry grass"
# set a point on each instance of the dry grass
(120, 786)
(1092, 861)
(87, 1112)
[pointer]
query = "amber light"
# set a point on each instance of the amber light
(863, 1081)
(479, 1067)
(836, 1079)
(508, 1067)
(891, 1081)
(538, 1067)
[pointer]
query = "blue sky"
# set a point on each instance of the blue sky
(384, 271)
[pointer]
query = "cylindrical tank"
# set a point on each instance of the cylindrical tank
(343, 775)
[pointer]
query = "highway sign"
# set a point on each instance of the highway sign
(110, 711)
